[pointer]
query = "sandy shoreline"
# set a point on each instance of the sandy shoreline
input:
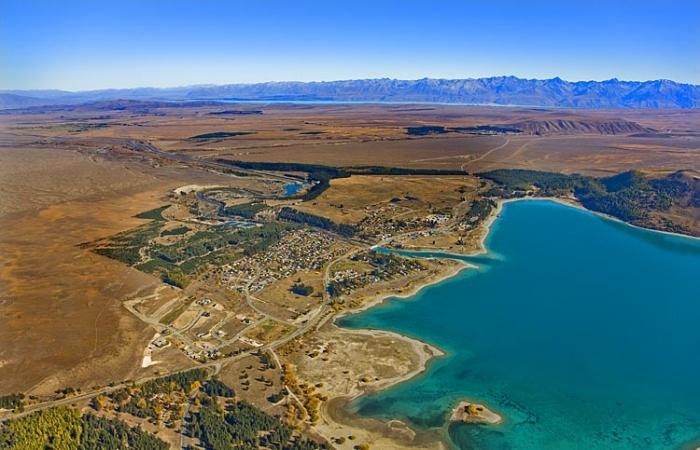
(336, 419)
(378, 299)
(572, 202)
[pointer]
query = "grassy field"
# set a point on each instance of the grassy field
(280, 293)
(268, 331)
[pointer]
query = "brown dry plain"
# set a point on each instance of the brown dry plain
(80, 174)
(283, 303)
(376, 134)
(352, 199)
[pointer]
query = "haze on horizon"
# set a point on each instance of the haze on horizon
(85, 45)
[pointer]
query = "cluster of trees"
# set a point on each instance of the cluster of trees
(256, 240)
(217, 425)
(214, 387)
(220, 135)
(426, 130)
(399, 171)
(176, 262)
(58, 427)
(175, 231)
(300, 288)
(334, 288)
(127, 255)
(153, 214)
(181, 381)
(125, 246)
(246, 210)
(294, 215)
(265, 360)
(629, 196)
(516, 182)
(384, 266)
(673, 187)
(236, 112)
(63, 428)
(11, 401)
(175, 278)
(479, 210)
(139, 401)
(276, 397)
(242, 426)
(201, 243)
(107, 434)
(487, 129)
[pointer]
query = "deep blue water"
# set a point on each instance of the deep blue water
(292, 188)
(583, 332)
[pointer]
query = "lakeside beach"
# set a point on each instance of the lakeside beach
(336, 419)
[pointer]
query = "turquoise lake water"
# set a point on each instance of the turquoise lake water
(582, 332)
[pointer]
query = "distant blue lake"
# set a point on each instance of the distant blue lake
(583, 332)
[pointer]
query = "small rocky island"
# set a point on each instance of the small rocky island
(469, 412)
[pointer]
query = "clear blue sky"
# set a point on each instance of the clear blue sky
(94, 44)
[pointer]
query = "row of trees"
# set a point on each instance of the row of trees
(426, 130)
(246, 210)
(294, 215)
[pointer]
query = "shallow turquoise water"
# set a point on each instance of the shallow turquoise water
(584, 333)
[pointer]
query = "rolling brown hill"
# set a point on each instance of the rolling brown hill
(580, 126)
